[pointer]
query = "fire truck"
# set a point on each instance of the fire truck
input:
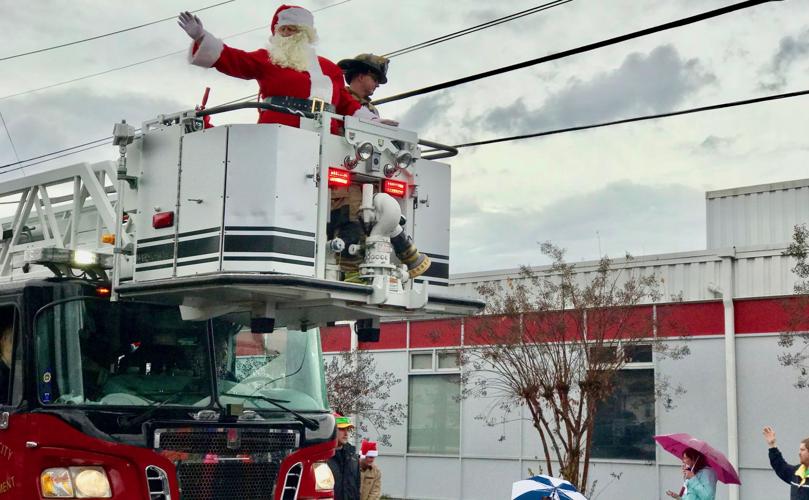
(164, 308)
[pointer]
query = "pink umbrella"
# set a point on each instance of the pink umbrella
(676, 444)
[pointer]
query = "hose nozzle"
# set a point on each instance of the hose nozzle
(417, 263)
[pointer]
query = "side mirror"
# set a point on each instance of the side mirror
(262, 325)
(367, 330)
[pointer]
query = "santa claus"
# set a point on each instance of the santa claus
(289, 73)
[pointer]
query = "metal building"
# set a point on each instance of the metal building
(729, 295)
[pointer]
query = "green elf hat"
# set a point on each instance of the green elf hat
(343, 422)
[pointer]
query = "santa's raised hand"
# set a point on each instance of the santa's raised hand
(191, 24)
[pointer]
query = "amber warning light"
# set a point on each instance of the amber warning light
(395, 188)
(339, 178)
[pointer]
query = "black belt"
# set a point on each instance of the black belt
(305, 107)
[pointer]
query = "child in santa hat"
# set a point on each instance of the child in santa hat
(370, 475)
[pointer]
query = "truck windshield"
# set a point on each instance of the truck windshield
(96, 352)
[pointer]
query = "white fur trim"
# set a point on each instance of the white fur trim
(366, 113)
(295, 16)
(210, 48)
(372, 453)
(322, 87)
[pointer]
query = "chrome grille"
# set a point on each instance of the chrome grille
(227, 463)
(158, 483)
(207, 440)
(292, 481)
(227, 481)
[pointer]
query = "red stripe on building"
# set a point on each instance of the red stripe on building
(612, 323)
(782, 314)
(553, 327)
(391, 336)
(482, 330)
(335, 338)
(690, 319)
(249, 345)
(437, 333)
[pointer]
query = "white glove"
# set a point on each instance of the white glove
(192, 25)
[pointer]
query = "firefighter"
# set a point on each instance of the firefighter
(363, 75)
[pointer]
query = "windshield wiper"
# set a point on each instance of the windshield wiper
(307, 422)
(139, 419)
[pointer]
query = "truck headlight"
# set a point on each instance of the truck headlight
(56, 483)
(75, 482)
(324, 479)
(91, 482)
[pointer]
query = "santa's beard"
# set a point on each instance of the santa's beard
(292, 51)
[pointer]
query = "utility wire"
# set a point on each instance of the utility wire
(559, 55)
(479, 27)
(6, 58)
(579, 50)
(405, 50)
(755, 100)
(10, 140)
(700, 109)
(49, 159)
(444, 38)
(137, 63)
(103, 142)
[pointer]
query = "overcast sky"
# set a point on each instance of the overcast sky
(636, 188)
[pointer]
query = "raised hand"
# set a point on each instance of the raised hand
(192, 25)
(769, 435)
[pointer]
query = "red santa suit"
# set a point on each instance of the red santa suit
(321, 80)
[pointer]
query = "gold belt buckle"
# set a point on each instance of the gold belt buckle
(317, 105)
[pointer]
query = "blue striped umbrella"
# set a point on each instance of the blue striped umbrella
(539, 487)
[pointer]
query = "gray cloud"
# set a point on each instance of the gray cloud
(650, 83)
(714, 142)
(626, 216)
(427, 112)
(43, 123)
(790, 50)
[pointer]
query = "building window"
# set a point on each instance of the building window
(624, 423)
(434, 407)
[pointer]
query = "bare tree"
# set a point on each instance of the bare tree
(356, 388)
(553, 343)
(795, 339)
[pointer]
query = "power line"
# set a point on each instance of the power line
(49, 159)
(473, 29)
(137, 63)
(559, 55)
(444, 38)
(85, 77)
(700, 109)
(578, 50)
(102, 141)
(10, 140)
(6, 58)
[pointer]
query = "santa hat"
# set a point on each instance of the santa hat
(368, 449)
(292, 15)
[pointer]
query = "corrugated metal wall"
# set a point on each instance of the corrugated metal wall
(756, 215)
(757, 272)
